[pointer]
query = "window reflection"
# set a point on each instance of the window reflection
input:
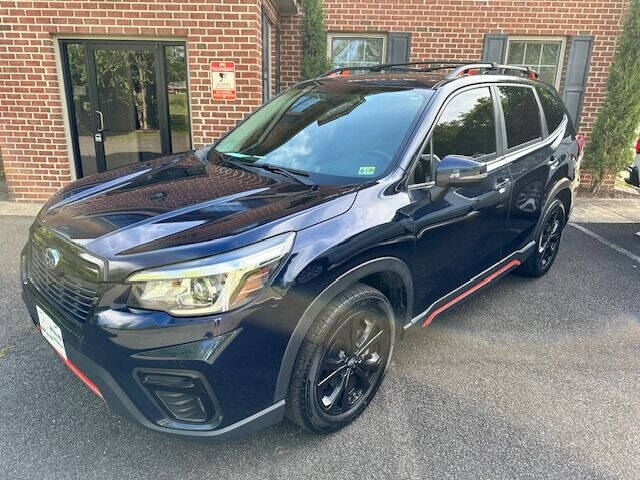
(127, 96)
(521, 115)
(356, 51)
(82, 106)
(553, 109)
(467, 126)
(342, 131)
(178, 96)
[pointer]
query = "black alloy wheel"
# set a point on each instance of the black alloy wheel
(342, 361)
(351, 363)
(547, 241)
(550, 237)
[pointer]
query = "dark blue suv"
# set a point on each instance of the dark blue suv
(211, 293)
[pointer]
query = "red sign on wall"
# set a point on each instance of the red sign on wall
(223, 80)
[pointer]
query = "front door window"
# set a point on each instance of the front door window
(128, 102)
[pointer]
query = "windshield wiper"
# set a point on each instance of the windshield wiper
(235, 164)
(287, 172)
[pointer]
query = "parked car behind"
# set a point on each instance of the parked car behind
(211, 293)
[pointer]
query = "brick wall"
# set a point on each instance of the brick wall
(32, 133)
(455, 29)
(291, 47)
(33, 140)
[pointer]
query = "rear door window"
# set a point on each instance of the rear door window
(521, 115)
(552, 108)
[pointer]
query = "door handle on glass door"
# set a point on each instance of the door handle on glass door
(101, 128)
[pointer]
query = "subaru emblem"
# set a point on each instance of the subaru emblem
(51, 258)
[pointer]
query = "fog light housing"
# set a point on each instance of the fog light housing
(183, 396)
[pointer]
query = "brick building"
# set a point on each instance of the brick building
(90, 86)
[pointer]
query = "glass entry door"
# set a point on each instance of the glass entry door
(128, 102)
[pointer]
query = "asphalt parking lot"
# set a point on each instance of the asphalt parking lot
(530, 379)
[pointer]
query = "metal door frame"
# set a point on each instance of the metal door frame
(162, 94)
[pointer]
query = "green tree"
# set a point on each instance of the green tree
(314, 40)
(614, 131)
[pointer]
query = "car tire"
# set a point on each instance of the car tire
(342, 360)
(634, 177)
(547, 241)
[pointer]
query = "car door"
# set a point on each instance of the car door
(459, 232)
(537, 159)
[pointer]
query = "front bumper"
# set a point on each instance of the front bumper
(237, 385)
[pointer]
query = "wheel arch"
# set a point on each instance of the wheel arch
(562, 190)
(385, 274)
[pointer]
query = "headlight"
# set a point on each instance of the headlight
(210, 285)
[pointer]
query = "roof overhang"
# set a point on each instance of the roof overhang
(286, 6)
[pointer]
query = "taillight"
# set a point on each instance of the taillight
(638, 147)
(469, 71)
(581, 140)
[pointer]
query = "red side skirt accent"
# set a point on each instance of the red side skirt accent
(477, 286)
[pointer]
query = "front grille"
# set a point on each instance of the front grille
(71, 287)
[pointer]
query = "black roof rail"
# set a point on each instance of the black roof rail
(482, 68)
(461, 68)
(407, 66)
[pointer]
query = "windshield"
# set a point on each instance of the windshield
(337, 133)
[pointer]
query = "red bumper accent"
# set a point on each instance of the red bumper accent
(477, 286)
(86, 380)
(79, 373)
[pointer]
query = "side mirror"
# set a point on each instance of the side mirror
(458, 171)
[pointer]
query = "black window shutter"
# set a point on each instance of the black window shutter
(495, 48)
(575, 81)
(399, 47)
(266, 60)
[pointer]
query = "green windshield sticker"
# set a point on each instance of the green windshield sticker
(367, 171)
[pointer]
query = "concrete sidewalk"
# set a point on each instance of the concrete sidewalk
(606, 210)
(19, 209)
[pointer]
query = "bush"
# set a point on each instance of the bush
(615, 129)
(314, 40)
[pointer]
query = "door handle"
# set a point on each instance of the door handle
(101, 128)
(554, 162)
(502, 184)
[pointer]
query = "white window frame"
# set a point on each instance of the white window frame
(529, 39)
(332, 35)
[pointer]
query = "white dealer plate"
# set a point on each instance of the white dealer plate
(51, 332)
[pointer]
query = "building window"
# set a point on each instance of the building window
(356, 50)
(543, 55)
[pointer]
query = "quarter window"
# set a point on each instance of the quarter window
(356, 51)
(543, 56)
(552, 108)
(521, 115)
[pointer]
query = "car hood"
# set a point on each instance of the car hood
(184, 200)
